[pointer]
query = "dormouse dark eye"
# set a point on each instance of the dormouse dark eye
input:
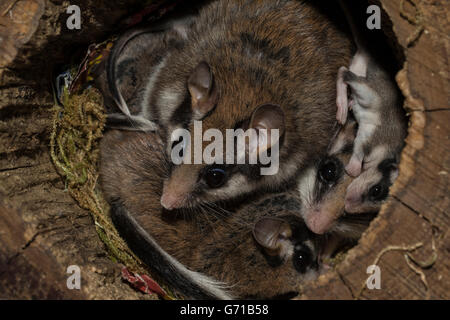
(215, 177)
(377, 193)
(302, 259)
(328, 172)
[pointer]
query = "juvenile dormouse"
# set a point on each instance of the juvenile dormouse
(323, 188)
(286, 239)
(211, 252)
(248, 65)
(131, 172)
(263, 250)
(376, 104)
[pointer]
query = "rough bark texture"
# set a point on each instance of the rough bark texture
(43, 231)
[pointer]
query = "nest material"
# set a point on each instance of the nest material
(74, 143)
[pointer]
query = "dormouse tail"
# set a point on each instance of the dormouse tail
(191, 284)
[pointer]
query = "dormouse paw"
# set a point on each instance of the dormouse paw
(354, 167)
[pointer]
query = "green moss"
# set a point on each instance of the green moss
(74, 143)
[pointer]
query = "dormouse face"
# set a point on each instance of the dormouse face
(368, 191)
(323, 185)
(196, 179)
(322, 190)
(327, 191)
(287, 241)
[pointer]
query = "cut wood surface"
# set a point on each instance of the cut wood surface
(43, 231)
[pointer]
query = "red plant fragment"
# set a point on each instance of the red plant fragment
(143, 283)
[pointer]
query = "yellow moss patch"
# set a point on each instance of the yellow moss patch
(74, 142)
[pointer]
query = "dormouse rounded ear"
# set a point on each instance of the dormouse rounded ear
(271, 234)
(264, 119)
(203, 92)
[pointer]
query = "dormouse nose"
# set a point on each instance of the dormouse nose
(170, 201)
(351, 201)
(322, 218)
